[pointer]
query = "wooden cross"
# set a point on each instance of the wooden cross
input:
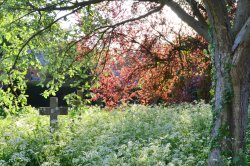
(53, 111)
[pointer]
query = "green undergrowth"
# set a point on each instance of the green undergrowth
(135, 135)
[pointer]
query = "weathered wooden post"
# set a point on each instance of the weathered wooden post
(53, 111)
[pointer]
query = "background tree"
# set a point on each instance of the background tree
(229, 42)
(155, 72)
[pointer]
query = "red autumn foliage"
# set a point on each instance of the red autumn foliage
(155, 72)
(147, 62)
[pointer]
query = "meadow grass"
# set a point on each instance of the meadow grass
(132, 135)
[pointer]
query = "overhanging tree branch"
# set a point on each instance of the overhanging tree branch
(136, 18)
(71, 7)
(198, 26)
(79, 7)
(36, 34)
(195, 7)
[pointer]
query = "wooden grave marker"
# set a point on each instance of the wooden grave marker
(53, 111)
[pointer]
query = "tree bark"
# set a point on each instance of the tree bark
(231, 99)
(240, 73)
(231, 111)
(221, 134)
(240, 80)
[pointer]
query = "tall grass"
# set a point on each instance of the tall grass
(135, 135)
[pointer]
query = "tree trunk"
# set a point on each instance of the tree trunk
(222, 112)
(239, 114)
(231, 106)
(231, 49)
(240, 80)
